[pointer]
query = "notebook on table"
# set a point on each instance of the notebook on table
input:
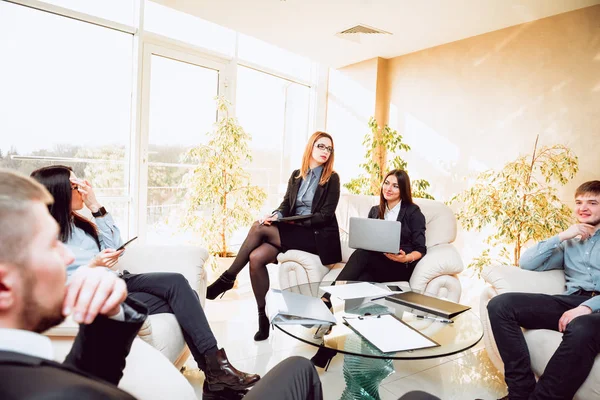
(288, 308)
(429, 304)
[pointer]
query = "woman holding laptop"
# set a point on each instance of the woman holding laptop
(94, 244)
(305, 221)
(395, 204)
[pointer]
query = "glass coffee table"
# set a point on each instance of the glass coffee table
(365, 366)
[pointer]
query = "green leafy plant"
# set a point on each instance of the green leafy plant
(520, 202)
(389, 140)
(220, 197)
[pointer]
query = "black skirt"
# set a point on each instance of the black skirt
(297, 237)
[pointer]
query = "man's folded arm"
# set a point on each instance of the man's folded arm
(545, 255)
(100, 349)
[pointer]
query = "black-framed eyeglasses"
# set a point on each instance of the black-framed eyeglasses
(321, 146)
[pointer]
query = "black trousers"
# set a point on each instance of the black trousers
(295, 378)
(171, 293)
(571, 363)
(372, 266)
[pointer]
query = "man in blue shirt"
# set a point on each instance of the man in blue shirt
(576, 313)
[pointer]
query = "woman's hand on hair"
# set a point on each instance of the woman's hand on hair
(106, 258)
(87, 194)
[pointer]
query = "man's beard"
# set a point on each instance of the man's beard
(37, 317)
(594, 223)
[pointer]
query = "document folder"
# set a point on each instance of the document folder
(288, 308)
(429, 304)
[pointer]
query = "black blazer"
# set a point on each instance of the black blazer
(92, 369)
(323, 221)
(412, 235)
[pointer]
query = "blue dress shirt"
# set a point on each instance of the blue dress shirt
(307, 190)
(580, 260)
(84, 246)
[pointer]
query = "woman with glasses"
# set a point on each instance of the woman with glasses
(312, 191)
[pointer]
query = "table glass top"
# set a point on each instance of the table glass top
(465, 332)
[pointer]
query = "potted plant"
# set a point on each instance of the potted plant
(520, 202)
(220, 198)
(382, 141)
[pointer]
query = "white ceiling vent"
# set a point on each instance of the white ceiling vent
(364, 29)
(357, 32)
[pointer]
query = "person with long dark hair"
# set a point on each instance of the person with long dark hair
(313, 190)
(395, 204)
(94, 244)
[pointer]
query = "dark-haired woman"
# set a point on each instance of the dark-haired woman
(94, 244)
(312, 190)
(395, 204)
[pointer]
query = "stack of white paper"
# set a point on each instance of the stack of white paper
(389, 334)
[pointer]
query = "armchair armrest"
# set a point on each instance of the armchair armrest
(442, 259)
(298, 267)
(505, 278)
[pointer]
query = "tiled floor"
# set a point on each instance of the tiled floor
(468, 375)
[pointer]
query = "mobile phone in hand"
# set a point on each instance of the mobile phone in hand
(127, 243)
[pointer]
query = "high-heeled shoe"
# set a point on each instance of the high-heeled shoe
(323, 357)
(327, 303)
(219, 287)
(263, 328)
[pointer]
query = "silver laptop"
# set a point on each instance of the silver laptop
(375, 235)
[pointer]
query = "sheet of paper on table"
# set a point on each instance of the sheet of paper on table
(389, 334)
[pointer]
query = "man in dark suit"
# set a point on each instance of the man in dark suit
(34, 298)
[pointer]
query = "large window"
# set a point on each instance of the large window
(275, 112)
(65, 98)
(81, 86)
(182, 110)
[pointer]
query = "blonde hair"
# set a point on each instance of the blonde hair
(17, 195)
(327, 167)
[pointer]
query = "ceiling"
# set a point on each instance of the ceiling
(309, 27)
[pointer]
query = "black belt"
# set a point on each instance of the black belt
(582, 292)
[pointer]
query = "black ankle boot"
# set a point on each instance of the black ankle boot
(323, 357)
(220, 286)
(263, 328)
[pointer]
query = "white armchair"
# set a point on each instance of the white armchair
(542, 343)
(435, 273)
(160, 331)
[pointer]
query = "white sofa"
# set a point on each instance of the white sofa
(435, 273)
(542, 343)
(160, 331)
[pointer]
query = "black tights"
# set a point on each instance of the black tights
(259, 249)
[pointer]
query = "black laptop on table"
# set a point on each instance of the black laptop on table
(429, 304)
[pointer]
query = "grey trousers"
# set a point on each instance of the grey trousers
(294, 378)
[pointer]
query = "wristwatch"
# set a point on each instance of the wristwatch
(100, 213)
